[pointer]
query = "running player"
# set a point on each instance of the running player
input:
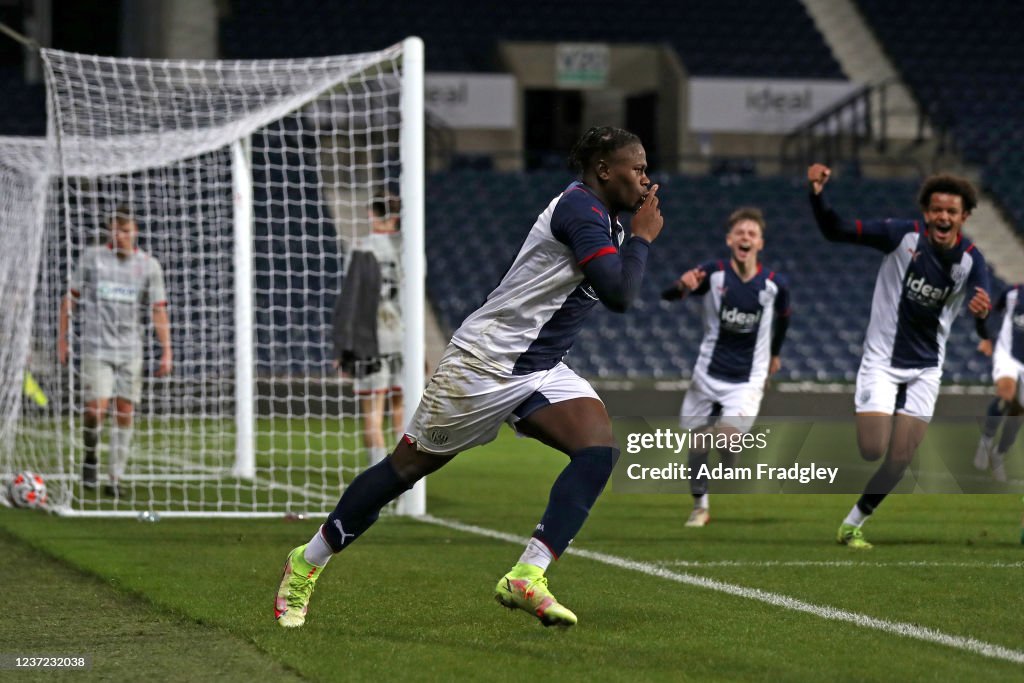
(929, 270)
(505, 364)
(1008, 373)
(746, 314)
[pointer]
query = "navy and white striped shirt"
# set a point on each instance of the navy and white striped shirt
(1011, 330)
(919, 290)
(573, 257)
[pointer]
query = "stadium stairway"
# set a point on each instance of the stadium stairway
(972, 86)
(997, 240)
(863, 60)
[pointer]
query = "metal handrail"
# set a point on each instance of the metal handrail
(840, 133)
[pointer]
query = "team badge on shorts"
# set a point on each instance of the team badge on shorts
(865, 396)
(439, 436)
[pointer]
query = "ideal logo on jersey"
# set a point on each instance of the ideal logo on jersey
(114, 291)
(919, 291)
(735, 320)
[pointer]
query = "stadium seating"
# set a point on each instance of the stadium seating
(469, 248)
(294, 238)
(965, 67)
(713, 37)
(24, 110)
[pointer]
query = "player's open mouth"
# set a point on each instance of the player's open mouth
(744, 248)
(943, 229)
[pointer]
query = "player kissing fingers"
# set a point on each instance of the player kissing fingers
(650, 199)
(647, 222)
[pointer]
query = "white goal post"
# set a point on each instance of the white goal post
(251, 184)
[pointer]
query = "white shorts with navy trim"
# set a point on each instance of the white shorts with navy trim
(467, 400)
(889, 390)
(710, 400)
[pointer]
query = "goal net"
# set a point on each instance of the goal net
(251, 184)
(27, 434)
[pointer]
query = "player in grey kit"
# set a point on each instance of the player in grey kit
(113, 282)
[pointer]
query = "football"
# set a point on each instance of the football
(27, 490)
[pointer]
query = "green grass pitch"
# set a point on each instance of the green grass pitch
(188, 599)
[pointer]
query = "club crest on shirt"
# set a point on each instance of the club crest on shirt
(958, 273)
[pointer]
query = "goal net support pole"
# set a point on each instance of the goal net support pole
(245, 365)
(412, 189)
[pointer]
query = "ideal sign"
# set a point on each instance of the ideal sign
(472, 100)
(735, 105)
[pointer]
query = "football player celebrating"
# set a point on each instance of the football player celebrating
(746, 313)
(505, 364)
(1007, 372)
(929, 270)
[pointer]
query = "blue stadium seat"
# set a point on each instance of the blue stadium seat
(971, 84)
(712, 37)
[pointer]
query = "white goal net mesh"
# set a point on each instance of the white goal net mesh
(27, 434)
(250, 183)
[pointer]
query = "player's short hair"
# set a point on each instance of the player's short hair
(385, 205)
(948, 184)
(121, 214)
(597, 142)
(746, 213)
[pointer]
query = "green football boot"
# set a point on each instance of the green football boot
(852, 537)
(528, 590)
(297, 581)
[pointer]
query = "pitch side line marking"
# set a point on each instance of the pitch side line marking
(776, 599)
(697, 564)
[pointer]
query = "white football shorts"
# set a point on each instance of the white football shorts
(1005, 365)
(387, 377)
(710, 400)
(466, 401)
(907, 391)
(105, 379)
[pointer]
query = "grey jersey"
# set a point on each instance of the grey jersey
(112, 293)
(386, 248)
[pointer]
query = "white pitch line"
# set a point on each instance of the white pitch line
(698, 564)
(896, 627)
